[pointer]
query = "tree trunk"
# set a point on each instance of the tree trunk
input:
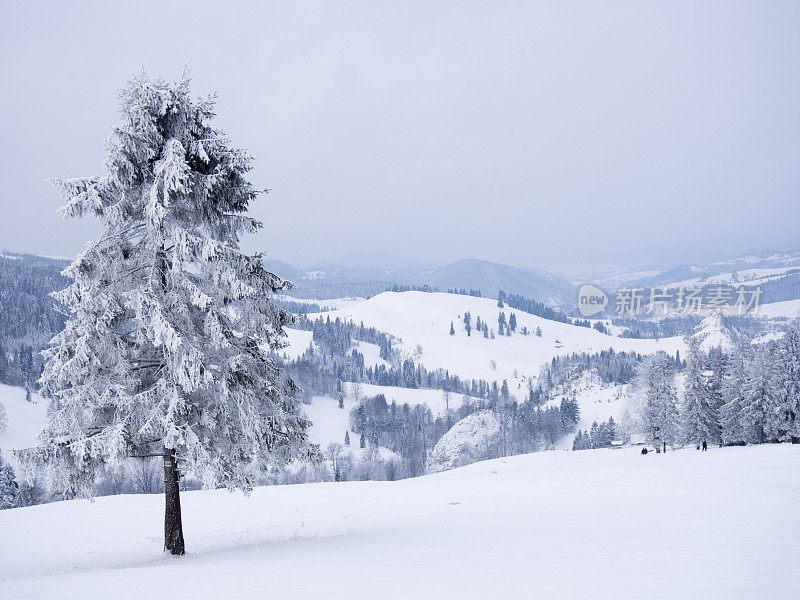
(173, 528)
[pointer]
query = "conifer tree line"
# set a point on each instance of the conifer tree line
(682, 324)
(599, 436)
(749, 395)
(532, 307)
(331, 360)
(300, 308)
(411, 432)
(611, 366)
(28, 316)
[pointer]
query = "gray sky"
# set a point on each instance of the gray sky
(531, 133)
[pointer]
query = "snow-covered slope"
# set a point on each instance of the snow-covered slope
(788, 308)
(466, 440)
(712, 333)
(596, 524)
(597, 402)
(298, 342)
(422, 321)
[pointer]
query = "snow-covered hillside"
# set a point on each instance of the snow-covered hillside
(789, 309)
(597, 402)
(331, 422)
(422, 321)
(593, 524)
(712, 333)
(465, 441)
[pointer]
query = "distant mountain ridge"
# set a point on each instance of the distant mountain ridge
(777, 272)
(328, 281)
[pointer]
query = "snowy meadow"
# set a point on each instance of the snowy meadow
(600, 523)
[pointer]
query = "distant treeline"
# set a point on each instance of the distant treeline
(28, 315)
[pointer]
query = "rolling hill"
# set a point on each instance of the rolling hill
(421, 321)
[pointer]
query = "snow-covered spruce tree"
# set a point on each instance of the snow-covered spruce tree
(785, 422)
(699, 416)
(658, 410)
(757, 412)
(8, 487)
(733, 393)
(166, 350)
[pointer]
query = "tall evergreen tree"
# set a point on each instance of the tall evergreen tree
(699, 416)
(733, 393)
(786, 421)
(756, 416)
(167, 347)
(658, 409)
(716, 388)
(8, 487)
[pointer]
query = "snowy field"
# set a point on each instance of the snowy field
(25, 420)
(590, 524)
(789, 309)
(422, 321)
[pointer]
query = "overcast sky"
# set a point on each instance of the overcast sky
(531, 133)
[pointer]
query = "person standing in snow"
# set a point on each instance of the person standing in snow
(705, 446)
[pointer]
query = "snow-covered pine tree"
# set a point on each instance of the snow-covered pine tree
(167, 347)
(757, 407)
(658, 409)
(8, 487)
(733, 390)
(786, 417)
(718, 364)
(698, 415)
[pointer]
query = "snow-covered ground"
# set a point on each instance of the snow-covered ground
(592, 524)
(788, 308)
(25, 420)
(298, 342)
(422, 321)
